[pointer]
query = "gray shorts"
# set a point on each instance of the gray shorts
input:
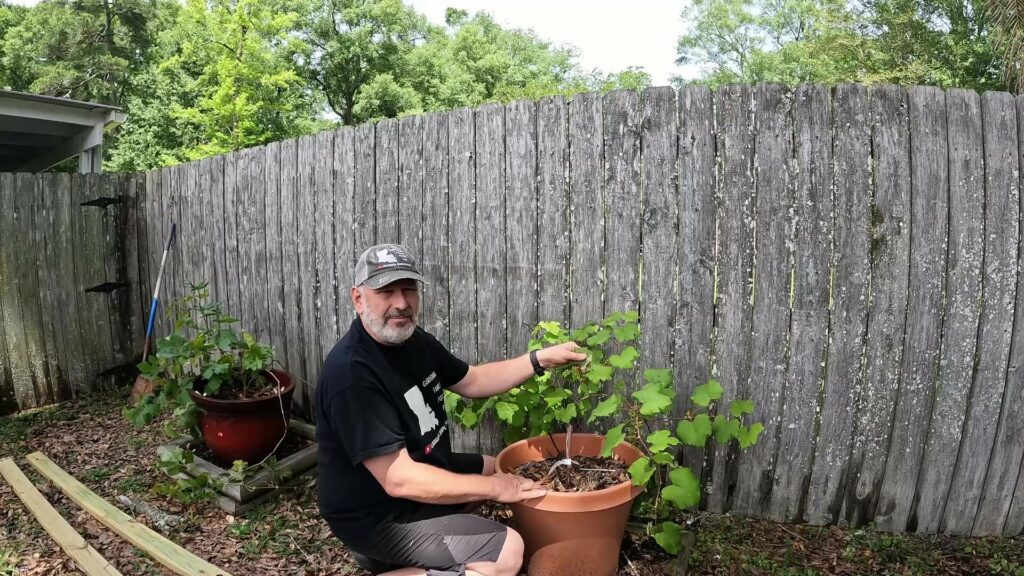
(433, 538)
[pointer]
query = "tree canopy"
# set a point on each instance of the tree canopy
(202, 77)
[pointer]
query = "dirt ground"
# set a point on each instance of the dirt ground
(91, 441)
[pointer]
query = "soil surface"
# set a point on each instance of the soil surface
(585, 474)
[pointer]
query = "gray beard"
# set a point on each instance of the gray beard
(388, 334)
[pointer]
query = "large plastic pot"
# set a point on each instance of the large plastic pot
(245, 429)
(571, 534)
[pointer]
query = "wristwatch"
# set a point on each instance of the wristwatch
(537, 368)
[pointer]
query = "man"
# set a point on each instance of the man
(390, 486)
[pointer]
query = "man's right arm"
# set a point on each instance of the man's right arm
(403, 477)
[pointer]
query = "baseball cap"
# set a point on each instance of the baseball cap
(382, 264)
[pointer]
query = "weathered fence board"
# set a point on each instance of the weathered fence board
(1002, 265)
(305, 244)
(490, 251)
(26, 206)
(94, 314)
(44, 236)
(410, 185)
(773, 148)
(271, 155)
(462, 277)
(998, 286)
(586, 210)
(928, 221)
(962, 307)
(16, 369)
(133, 237)
(553, 232)
(253, 246)
(695, 243)
(848, 321)
(890, 252)
(289, 190)
(155, 227)
(113, 257)
(26, 350)
(65, 239)
(733, 110)
(812, 240)
(324, 260)
(169, 192)
(344, 249)
(620, 119)
(1015, 517)
(658, 222)
(521, 236)
(235, 188)
(386, 208)
(364, 219)
(436, 232)
(213, 226)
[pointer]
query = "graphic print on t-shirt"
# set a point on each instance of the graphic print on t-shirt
(426, 417)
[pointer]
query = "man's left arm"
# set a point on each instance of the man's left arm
(495, 378)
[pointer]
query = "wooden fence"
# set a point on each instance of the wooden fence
(71, 300)
(848, 259)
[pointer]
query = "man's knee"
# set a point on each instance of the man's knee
(511, 558)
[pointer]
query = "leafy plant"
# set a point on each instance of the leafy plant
(184, 488)
(201, 353)
(595, 391)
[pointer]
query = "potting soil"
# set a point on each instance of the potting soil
(586, 474)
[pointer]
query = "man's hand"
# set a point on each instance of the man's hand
(560, 355)
(510, 488)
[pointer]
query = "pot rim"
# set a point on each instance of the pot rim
(618, 494)
(284, 378)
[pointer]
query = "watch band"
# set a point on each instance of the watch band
(537, 368)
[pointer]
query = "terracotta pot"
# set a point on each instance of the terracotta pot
(571, 534)
(140, 389)
(245, 429)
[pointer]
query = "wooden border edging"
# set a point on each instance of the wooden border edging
(85, 556)
(174, 557)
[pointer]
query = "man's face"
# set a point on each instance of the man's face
(390, 313)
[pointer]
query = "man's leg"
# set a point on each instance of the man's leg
(508, 563)
(445, 544)
(488, 465)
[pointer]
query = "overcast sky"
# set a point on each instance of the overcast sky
(608, 35)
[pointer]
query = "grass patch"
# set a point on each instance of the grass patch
(7, 562)
(98, 474)
(130, 485)
(14, 428)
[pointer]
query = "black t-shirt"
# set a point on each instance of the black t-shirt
(373, 400)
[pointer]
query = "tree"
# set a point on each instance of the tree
(1008, 25)
(222, 80)
(379, 59)
(359, 43)
(938, 42)
(12, 76)
(82, 49)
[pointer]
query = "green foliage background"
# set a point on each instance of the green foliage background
(203, 77)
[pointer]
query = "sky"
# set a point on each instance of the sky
(609, 35)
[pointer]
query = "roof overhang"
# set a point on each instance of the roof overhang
(37, 131)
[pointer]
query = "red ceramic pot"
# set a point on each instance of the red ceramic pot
(245, 430)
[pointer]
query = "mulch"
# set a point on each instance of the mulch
(93, 442)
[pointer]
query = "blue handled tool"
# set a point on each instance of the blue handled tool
(156, 293)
